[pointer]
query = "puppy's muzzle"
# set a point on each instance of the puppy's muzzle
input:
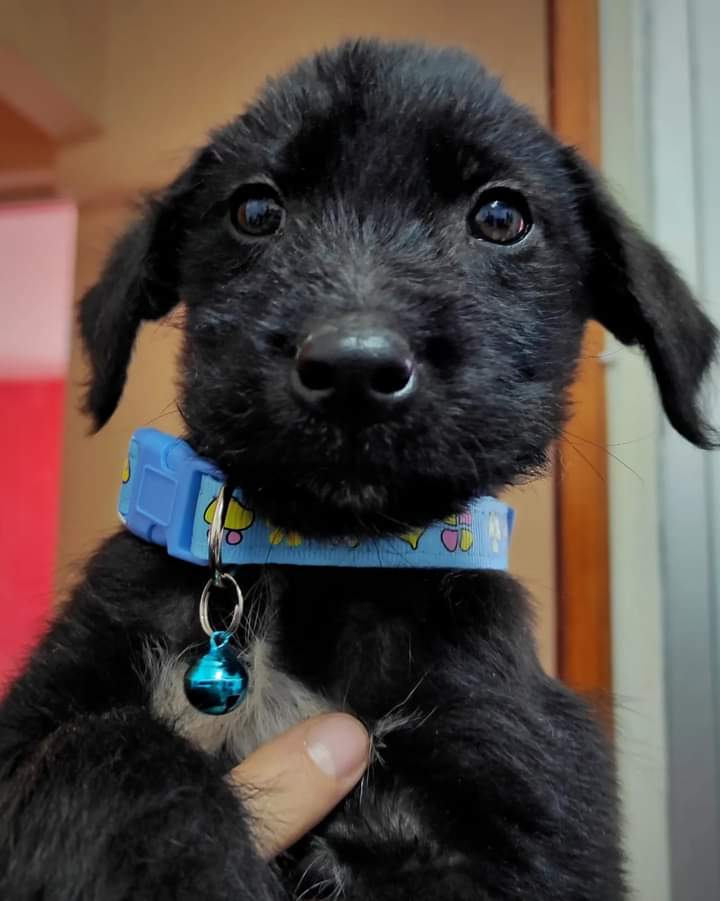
(352, 371)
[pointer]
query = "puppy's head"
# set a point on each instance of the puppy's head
(387, 266)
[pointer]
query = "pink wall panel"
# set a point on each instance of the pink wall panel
(37, 251)
(30, 433)
(37, 260)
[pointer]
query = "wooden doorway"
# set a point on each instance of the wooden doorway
(584, 644)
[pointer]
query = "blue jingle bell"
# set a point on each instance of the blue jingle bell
(218, 681)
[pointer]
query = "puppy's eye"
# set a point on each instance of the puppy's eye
(500, 216)
(256, 210)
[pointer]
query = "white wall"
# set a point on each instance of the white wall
(662, 153)
(684, 127)
(633, 438)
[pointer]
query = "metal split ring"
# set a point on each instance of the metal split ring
(218, 578)
(216, 533)
(222, 579)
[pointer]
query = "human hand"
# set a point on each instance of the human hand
(294, 781)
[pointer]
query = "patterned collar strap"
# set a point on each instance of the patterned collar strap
(169, 493)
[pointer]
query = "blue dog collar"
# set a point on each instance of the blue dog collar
(169, 493)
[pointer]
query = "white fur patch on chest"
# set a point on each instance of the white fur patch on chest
(275, 701)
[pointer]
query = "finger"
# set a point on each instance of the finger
(294, 781)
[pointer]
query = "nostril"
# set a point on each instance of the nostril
(316, 375)
(391, 378)
(280, 343)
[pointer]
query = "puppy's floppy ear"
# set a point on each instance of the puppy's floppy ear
(638, 295)
(139, 282)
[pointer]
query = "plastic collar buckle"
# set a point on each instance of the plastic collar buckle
(160, 488)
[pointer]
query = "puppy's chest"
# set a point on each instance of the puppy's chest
(275, 701)
(362, 659)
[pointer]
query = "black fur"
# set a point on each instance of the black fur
(495, 782)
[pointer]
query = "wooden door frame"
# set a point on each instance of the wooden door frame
(581, 471)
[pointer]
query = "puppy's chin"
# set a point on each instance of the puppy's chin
(343, 508)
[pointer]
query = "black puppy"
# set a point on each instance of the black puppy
(382, 197)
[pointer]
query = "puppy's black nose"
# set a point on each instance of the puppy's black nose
(354, 370)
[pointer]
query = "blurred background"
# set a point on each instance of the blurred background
(101, 100)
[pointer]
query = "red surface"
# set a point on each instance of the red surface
(30, 439)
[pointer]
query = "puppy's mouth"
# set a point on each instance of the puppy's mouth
(339, 502)
(325, 481)
(318, 508)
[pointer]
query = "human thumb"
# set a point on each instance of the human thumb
(295, 780)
